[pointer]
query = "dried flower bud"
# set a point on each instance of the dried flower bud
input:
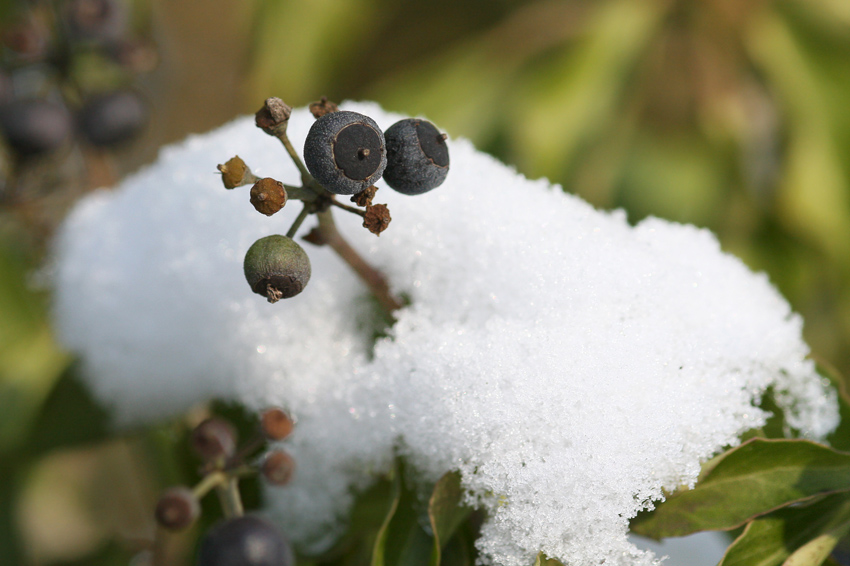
(214, 438)
(322, 107)
(177, 508)
(364, 198)
(315, 237)
(235, 173)
(278, 467)
(274, 115)
(377, 218)
(268, 196)
(276, 424)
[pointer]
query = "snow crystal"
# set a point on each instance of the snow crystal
(569, 365)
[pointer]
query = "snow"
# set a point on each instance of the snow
(569, 365)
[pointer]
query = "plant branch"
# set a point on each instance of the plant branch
(372, 277)
(298, 221)
(351, 209)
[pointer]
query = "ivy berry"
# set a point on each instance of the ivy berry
(417, 156)
(245, 541)
(345, 152)
(276, 267)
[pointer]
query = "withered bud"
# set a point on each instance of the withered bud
(274, 115)
(276, 424)
(214, 438)
(364, 198)
(278, 467)
(268, 196)
(322, 107)
(234, 173)
(377, 218)
(177, 508)
(315, 237)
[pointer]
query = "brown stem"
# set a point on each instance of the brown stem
(371, 276)
(345, 207)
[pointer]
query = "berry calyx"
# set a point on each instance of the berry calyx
(245, 541)
(345, 152)
(276, 424)
(417, 156)
(214, 439)
(278, 467)
(177, 508)
(268, 196)
(276, 267)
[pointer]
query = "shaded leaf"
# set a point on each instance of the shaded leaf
(811, 529)
(752, 479)
(446, 512)
(543, 561)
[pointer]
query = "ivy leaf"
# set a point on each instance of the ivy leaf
(543, 561)
(402, 541)
(446, 512)
(753, 479)
(800, 535)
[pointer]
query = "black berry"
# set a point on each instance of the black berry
(345, 152)
(276, 267)
(95, 20)
(417, 156)
(34, 126)
(245, 541)
(112, 118)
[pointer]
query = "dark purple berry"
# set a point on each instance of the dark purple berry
(112, 118)
(177, 508)
(276, 267)
(95, 20)
(34, 126)
(417, 156)
(245, 541)
(345, 152)
(214, 438)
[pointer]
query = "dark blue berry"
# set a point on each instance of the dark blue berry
(112, 118)
(417, 156)
(345, 152)
(34, 126)
(245, 541)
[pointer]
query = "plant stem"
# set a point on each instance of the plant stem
(210, 481)
(352, 209)
(298, 221)
(371, 276)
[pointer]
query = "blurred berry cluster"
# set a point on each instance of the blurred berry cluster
(66, 75)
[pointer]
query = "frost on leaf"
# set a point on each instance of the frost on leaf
(569, 365)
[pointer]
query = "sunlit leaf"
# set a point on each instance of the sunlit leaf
(446, 512)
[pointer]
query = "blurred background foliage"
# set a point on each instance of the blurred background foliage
(730, 114)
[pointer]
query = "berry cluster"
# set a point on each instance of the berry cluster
(66, 67)
(345, 153)
(238, 540)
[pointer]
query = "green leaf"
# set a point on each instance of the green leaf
(402, 541)
(755, 478)
(69, 417)
(800, 535)
(543, 561)
(446, 512)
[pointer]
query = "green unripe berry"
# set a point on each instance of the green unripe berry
(276, 267)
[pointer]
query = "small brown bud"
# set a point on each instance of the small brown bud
(364, 198)
(214, 438)
(377, 218)
(278, 467)
(268, 196)
(273, 115)
(276, 424)
(314, 237)
(234, 173)
(322, 107)
(177, 508)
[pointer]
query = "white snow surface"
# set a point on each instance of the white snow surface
(569, 365)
